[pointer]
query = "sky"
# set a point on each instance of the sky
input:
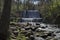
(35, 2)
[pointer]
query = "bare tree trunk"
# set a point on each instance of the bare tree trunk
(5, 18)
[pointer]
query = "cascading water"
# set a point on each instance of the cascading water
(31, 16)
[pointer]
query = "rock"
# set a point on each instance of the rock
(44, 36)
(31, 37)
(39, 38)
(27, 38)
(22, 29)
(15, 33)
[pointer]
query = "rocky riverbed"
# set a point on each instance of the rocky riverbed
(34, 32)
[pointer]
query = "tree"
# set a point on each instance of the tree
(4, 22)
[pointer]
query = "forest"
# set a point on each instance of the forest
(10, 12)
